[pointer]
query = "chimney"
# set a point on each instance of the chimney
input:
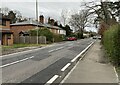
(41, 19)
(52, 21)
(49, 20)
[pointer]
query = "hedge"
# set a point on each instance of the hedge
(111, 42)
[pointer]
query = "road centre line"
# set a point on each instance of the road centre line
(26, 51)
(16, 62)
(55, 49)
(52, 79)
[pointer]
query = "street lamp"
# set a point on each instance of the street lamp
(37, 19)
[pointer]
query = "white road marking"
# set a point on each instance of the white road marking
(52, 79)
(81, 52)
(16, 62)
(26, 51)
(69, 73)
(65, 67)
(116, 75)
(70, 44)
(55, 49)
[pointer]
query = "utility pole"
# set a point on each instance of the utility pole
(37, 19)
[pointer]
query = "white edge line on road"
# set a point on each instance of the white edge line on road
(81, 52)
(52, 79)
(65, 67)
(26, 51)
(116, 74)
(69, 73)
(16, 62)
(74, 66)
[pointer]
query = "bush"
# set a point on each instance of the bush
(49, 35)
(57, 38)
(80, 35)
(42, 32)
(111, 42)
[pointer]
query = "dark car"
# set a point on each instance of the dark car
(71, 38)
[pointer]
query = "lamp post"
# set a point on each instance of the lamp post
(37, 19)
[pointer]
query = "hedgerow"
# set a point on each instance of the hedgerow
(111, 42)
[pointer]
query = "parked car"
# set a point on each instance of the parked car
(71, 38)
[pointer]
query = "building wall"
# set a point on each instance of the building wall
(56, 31)
(7, 25)
(17, 29)
(5, 39)
(62, 32)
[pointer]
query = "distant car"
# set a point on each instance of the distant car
(94, 37)
(99, 37)
(71, 38)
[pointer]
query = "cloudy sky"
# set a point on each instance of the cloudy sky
(48, 8)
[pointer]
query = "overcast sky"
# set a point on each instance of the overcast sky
(48, 8)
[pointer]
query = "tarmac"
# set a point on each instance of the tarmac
(93, 68)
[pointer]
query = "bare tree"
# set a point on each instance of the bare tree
(64, 15)
(5, 10)
(80, 20)
(18, 15)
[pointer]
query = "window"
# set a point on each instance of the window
(4, 22)
(8, 36)
(0, 21)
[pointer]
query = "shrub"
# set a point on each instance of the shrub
(42, 32)
(80, 35)
(111, 42)
(49, 35)
(57, 38)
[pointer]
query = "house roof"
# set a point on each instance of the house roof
(28, 23)
(36, 24)
(51, 26)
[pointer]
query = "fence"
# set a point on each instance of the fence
(31, 40)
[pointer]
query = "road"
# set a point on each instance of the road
(39, 65)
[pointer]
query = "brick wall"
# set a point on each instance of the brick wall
(17, 29)
(7, 25)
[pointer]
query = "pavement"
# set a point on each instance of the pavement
(92, 69)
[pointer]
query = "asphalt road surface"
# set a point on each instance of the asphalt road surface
(39, 65)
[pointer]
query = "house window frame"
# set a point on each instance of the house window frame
(8, 36)
(0, 21)
(4, 22)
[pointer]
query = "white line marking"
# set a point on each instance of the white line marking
(26, 51)
(81, 52)
(52, 79)
(69, 73)
(55, 49)
(51, 51)
(74, 66)
(65, 67)
(16, 62)
(116, 74)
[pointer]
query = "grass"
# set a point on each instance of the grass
(20, 46)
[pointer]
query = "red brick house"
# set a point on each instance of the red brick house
(6, 33)
(29, 25)
(23, 26)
